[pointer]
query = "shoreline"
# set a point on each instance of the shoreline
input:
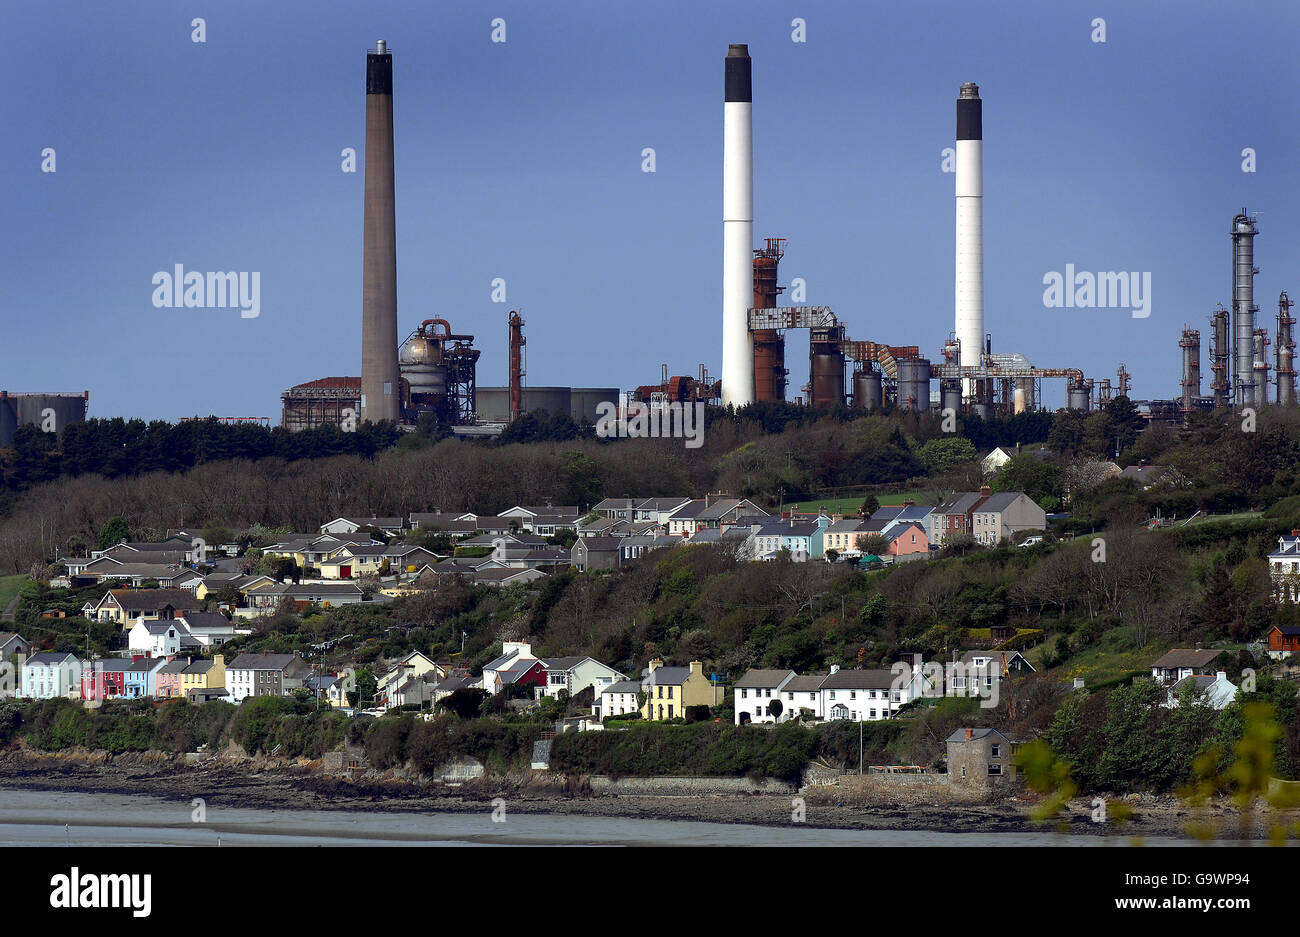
(251, 784)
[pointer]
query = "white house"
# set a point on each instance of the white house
(161, 638)
(412, 665)
(51, 675)
(575, 674)
(617, 699)
(513, 653)
(869, 695)
(1217, 690)
(209, 628)
(801, 698)
(1284, 568)
(754, 693)
(1181, 663)
(992, 463)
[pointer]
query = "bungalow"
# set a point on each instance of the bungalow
(11, 644)
(1216, 690)
(50, 675)
(265, 675)
(670, 691)
(1180, 663)
(497, 578)
(992, 463)
(408, 557)
(389, 526)
(450, 524)
(756, 691)
(352, 560)
(327, 595)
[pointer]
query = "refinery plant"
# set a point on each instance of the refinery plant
(434, 371)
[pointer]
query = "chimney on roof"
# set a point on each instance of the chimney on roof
(1017, 448)
(969, 733)
(1221, 675)
(697, 667)
(909, 503)
(835, 668)
(985, 491)
(655, 664)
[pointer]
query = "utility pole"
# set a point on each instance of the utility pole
(859, 748)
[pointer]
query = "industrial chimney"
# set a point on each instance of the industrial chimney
(1285, 352)
(737, 227)
(970, 229)
(1243, 308)
(380, 387)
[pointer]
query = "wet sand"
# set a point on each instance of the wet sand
(257, 784)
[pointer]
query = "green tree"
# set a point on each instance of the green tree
(870, 505)
(366, 685)
(946, 453)
(113, 532)
(873, 543)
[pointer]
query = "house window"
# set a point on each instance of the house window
(996, 750)
(995, 769)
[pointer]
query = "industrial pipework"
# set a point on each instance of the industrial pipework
(1191, 383)
(516, 376)
(1243, 308)
(439, 369)
(1285, 352)
(1219, 355)
(769, 344)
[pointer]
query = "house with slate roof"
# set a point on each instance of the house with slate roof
(670, 691)
(1284, 568)
(981, 758)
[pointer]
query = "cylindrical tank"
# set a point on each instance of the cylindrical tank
(981, 410)
(921, 383)
(1077, 396)
(826, 384)
(866, 389)
(950, 395)
(1018, 400)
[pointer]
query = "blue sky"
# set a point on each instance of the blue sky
(522, 160)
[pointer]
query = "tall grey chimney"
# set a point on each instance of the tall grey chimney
(380, 387)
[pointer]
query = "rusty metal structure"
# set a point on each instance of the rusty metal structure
(438, 371)
(333, 401)
(1259, 367)
(1285, 352)
(516, 366)
(1220, 352)
(826, 366)
(1190, 343)
(680, 389)
(770, 374)
(1122, 380)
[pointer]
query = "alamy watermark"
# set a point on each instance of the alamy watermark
(212, 290)
(936, 680)
(1084, 290)
(673, 420)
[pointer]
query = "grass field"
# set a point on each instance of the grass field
(851, 505)
(9, 588)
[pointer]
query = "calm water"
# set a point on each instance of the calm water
(37, 818)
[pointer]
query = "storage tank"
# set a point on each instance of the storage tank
(866, 389)
(826, 368)
(950, 395)
(1077, 396)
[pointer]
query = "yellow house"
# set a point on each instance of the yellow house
(204, 674)
(670, 690)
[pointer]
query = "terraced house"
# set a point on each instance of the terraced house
(671, 690)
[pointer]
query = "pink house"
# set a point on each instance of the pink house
(907, 538)
(168, 679)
